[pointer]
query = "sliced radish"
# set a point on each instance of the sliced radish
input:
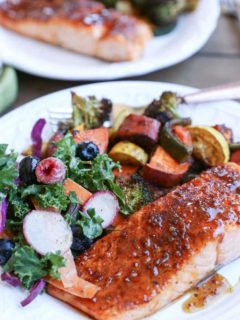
(105, 204)
(82, 193)
(47, 232)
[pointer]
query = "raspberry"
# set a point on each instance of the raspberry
(50, 170)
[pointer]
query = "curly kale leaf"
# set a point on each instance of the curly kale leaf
(48, 196)
(18, 208)
(8, 171)
(29, 267)
(93, 175)
(66, 151)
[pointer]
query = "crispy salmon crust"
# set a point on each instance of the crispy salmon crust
(164, 249)
(84, 26)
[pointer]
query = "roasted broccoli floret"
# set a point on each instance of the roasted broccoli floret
(165, 108)
(160, 12)
(191, 5)
(137, 193)
(110, 3)
(91, 112)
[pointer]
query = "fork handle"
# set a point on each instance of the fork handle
(223, 92)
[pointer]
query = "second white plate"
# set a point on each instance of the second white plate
(191, 33)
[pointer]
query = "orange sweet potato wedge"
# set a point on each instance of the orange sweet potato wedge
(125, 171)
(82, 194)
(98, 136)
(235, 157)
(140, 130)
(163, 170)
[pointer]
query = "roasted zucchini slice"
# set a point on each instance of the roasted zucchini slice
(128, 153)
(209, 145)
(120, 117)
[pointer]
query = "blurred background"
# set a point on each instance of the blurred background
(216, 63)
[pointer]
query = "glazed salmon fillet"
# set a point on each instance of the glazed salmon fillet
(84, 26)
(164, 249)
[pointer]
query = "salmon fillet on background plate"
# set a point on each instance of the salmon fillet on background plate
(84, 26)
(164, 249)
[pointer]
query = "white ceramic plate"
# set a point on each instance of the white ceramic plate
(15, 129)
(44, 60)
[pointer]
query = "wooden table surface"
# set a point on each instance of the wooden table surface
(217, 63)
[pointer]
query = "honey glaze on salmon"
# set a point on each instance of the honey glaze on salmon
(45, 9)
(163, 250)
(207, 292)
(86, 12)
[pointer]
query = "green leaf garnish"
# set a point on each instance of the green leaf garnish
(91, 224)
(8, 171)
(49, 196)
(93, 175)
(29, 267)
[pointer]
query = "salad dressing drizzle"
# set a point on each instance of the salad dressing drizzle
(207, 292)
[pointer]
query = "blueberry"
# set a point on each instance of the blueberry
(80, 242)
(6, 249)
(87, 151)
(27, 168)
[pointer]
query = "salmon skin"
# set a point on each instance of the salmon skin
(164, 249)
(84, 26)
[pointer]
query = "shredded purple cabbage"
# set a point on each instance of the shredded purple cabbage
(3, 214)
(34, 292)
(36, 136)
(10, 279)
(73, 210)
(17, 181)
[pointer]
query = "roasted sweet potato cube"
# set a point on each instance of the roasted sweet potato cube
(163, 170)
(99, 136)
(139, 129)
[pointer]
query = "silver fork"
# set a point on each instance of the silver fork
(231, 7)
(219, 93)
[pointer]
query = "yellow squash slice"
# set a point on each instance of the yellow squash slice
(120, 116)
(209, 145)
(79, 127)
(128, 153)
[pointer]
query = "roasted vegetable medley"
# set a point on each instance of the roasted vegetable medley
(62, 195)
(163, 14)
